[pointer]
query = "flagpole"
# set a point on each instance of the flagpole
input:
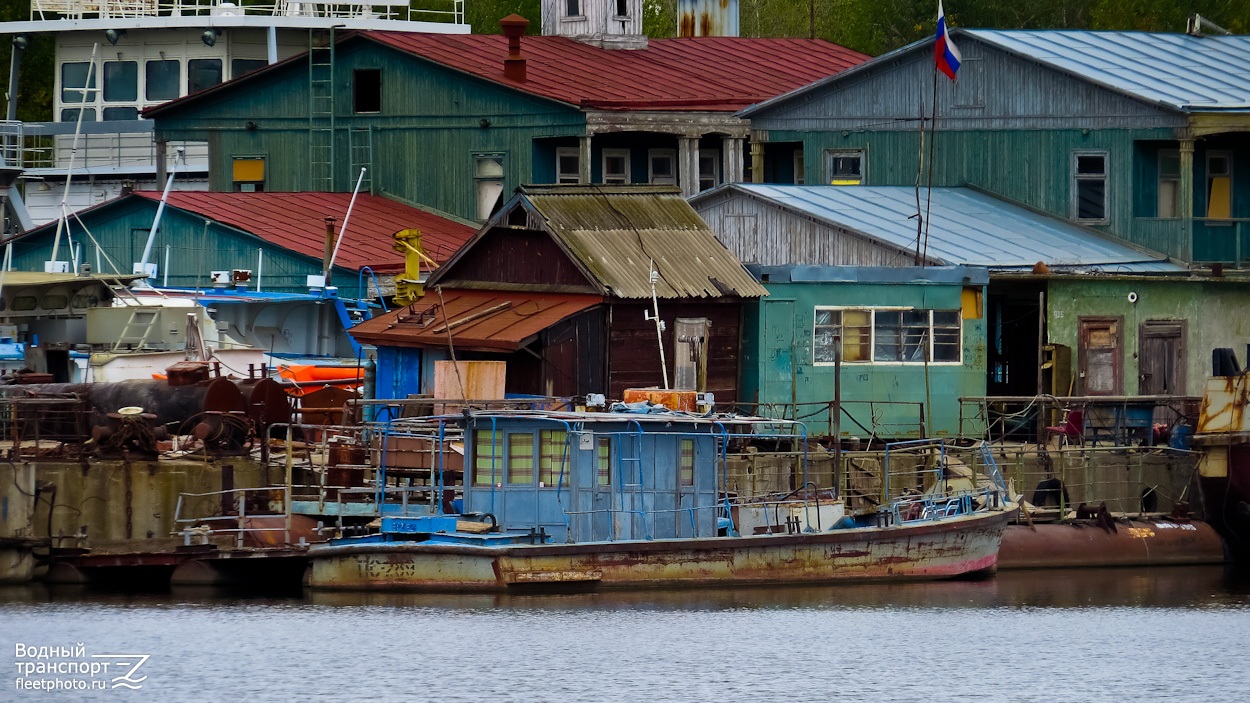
(929, 184)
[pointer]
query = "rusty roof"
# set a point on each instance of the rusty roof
(296, 221)
(480, 320)
(692, 73)
(613, 233)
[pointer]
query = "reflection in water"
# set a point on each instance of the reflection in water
(1163, 634)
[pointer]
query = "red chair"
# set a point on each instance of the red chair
(1071, 431)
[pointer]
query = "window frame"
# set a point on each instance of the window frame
(357, 73)
(237, 185)
(831, 155)
(671, 155)
(572, 6)
(107, 78)
(148, 82)
(1078, 178)
(479, 180)
(931, 344)
(716, 177)
(799, 160)
(603, 164)
(1160, 179)
(564, 152)
(685, 469)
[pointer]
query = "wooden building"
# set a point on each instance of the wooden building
(458, 121)
(1143, 136)
(560, 283)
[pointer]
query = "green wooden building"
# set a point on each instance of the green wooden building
(459, 121)
(1144, 136)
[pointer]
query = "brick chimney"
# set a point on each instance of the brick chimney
(514, 28)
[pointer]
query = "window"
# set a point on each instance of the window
(553, 458)
(249, 174)
(162, 80)
(572, 8)
(662, 166)
(1090, 186)
(121, 113)
(488, 175)
(845, 168)
(603, 461)
(242, 67)
(616, 166)
(709, 169)
(71, 115)
(622, 8)
(568, 165)
(520, 458)
(121, 81)
(888, 335)
(203, 74)
(367, 90)
(685, 466)
(74, 81)
(487, 458)
(1219, 184)
(798, 167)
(1169, 183)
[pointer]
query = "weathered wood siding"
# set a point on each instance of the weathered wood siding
(517, 256)
(634, 357)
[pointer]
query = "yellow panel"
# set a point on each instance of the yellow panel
(1219, 202)
(972, 302)
(845, 182)
(249, 170)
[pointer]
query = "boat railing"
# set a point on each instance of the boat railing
(928, 508)
(444, 11)
(239, 500)
(865, 419)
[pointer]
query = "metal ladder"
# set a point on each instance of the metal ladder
(320, 112)
(360, 149)
(138, 328)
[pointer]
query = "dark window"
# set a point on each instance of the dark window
(163, 79)
(74, 75)
(121, 113)
(203, 73)
(622, 8)
(242, 67)
(573, 8)
(1091, 187)
(71, 115)
(367, 90)
(121, 81)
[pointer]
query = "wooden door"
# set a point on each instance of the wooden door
(1161, 358)
(1101, 355)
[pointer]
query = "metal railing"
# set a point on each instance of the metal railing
(1119, 420)
(870, 419)
(451, 11)
(240, 530)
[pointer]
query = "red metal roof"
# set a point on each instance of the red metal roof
(705, 73)
(482, 320)
(296, 221)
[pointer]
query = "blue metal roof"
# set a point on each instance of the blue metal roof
(966, 227)
(1178, 70)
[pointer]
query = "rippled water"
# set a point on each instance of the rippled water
(1161, 635)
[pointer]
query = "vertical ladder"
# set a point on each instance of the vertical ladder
(321, 111)
(360, 151)
(138, 328)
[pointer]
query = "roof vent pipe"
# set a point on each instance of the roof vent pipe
(514, 28)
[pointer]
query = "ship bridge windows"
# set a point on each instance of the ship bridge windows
(242, 67)
(162, 79)
(203, 74)
(75, 87)
(121, 81)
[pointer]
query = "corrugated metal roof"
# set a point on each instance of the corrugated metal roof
(1183, 71)
(616, 231)
(296, 221)
(480, 320)
(704, 73)
(965, 227)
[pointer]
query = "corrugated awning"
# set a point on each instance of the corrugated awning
(478, 320)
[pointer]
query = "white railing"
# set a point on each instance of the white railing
(449, 11)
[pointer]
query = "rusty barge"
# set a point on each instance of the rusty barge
(623, 500)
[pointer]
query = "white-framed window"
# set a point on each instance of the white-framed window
(1089, 186)
(709, 169)
(488, 176)
(844, 167)
(1219, 184)
(662, 166)
(572, 8)
(888, 335)
(798, 167)
(568, 164)
(616, 166)
(1169, 183)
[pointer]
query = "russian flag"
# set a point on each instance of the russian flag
(944, 50)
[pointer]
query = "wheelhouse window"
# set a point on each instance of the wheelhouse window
(162, 79)
(1169, 183)
(568, 164)
(366, 90)
(242, 67)
(845, 167)
(662, 166)
(553, 455)
(616, 166)
(603, 461)
(121, 113)
(888, 335)
(685, 465)
(121, 81)
(520, 458)
(75, 87)
(1219, 184)
(1089, 186)
(203, 74)
(71, 115)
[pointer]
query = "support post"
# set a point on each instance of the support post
(1186, 204)
(757, 162)
(583, 159)
(688, 165)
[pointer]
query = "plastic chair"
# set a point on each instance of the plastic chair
(1072, 429)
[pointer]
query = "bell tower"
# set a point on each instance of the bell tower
(609, 24)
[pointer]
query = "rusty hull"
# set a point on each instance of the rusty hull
(937, 550)
(1138, 542)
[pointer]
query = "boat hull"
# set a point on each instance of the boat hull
(917, 551)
